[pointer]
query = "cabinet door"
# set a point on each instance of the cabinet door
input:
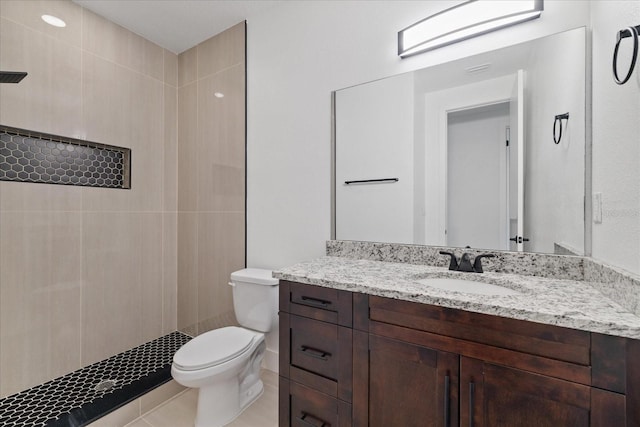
(497, 396)
(411, 385)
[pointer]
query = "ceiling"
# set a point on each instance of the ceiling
(177, 25)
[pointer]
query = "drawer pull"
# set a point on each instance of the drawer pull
(318, 354)
(316, 302)
(312, 421)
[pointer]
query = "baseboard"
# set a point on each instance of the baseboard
(270, 361)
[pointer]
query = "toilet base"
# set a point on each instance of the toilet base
(224, 403)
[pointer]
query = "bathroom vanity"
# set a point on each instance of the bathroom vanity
(363, 343)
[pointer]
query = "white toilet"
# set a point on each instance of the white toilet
(225, 363)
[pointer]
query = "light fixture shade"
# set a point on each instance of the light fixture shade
(463, 21)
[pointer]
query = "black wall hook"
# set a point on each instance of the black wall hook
(559, 119)
(633, 32)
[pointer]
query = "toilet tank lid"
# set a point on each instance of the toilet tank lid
(258, 276)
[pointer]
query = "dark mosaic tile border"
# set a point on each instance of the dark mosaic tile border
(73, 400)
(27, 156)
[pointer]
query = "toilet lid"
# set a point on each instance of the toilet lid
(213, 348)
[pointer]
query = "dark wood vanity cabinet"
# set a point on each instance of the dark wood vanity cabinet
(415, 364)
(316, 356)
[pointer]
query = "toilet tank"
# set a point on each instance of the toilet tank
(255, 298)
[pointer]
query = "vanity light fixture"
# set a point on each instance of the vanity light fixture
(54, 20)
(464, 21)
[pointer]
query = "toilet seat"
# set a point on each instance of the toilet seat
(214, 348)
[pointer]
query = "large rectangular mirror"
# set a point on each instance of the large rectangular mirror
(464, 153)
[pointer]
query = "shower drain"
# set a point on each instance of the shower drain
(105, 385)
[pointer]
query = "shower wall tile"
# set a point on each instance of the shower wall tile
(221, 123)
(121, 46)
(170, 68)
(86, 272)
(222, 51)
(170, 148)
(26, 196)
(48, 99)
(187, 270)
(151, 275)
(211, 179)
(115, 94)
(220, 252)
(187, 147)
(39, 297)
(170, 272)
(111, 298)
(28, 14)
(188, 66)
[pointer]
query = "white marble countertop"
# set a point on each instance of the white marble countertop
(568, 303)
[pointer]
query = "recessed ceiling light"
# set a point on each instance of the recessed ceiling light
(53, 20)
(218, 94)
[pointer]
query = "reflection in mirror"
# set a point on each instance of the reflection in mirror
(470, 143)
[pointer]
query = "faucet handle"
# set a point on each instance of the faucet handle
(477, 263)
(453, 264)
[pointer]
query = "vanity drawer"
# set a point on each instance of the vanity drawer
(308, 407)
(316, 302)
(314, 346)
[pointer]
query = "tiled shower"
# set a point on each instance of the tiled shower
(89, 272)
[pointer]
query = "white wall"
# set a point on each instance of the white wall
(616, 140)
(555, 174)
(296, 55)
(375, 131)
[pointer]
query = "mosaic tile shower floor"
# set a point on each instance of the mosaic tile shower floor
(79, 397)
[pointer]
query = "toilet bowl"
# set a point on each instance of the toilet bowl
(224, 364)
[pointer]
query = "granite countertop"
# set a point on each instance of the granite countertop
(568, 303)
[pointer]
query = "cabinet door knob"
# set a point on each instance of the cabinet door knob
(318, 354)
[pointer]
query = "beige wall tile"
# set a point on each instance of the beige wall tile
(170, 148)
(49, 98)
(188, 66)
(221, 136)
(29, 13)
(40, 292)
(125, 109)
(26, 196)
(222, 51)
(187, 270)
(120, 417)
(187, 147)
(121, 46)
(111, 298)
(220, 252)
(151, 229)
(159, 395)
(170, 68)
(170, 273)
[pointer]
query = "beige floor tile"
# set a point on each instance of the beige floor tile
(181, 410)
(139, 423)
(177, 412)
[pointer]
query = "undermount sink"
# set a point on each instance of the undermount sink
(467, 286)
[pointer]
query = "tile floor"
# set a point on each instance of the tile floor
(180, 411)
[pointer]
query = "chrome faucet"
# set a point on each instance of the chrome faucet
(465, 262)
